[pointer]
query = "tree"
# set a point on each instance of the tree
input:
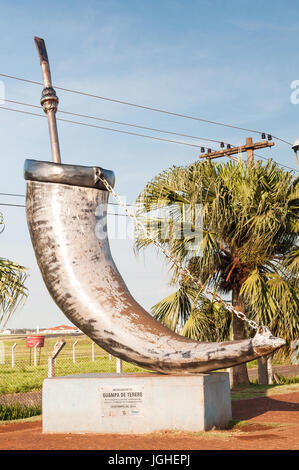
(12, 288)
(249, 221)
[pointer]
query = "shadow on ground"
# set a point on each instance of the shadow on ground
(248, 409)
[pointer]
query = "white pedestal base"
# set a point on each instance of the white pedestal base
(135, 403)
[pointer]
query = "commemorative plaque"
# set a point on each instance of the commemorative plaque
(122, 401)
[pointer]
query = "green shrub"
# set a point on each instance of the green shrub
(282, 380)
(288, 380)
(17, 411)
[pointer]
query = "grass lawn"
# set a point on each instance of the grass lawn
(25, 377)
(255, 390)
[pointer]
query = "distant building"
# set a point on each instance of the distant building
(61, 329)
(5, 332)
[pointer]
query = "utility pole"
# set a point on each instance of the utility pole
(249, 151)
(249, 148)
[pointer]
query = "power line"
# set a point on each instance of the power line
(125, 124)
(120, 131)
(119, 122)
(104, 128)
(108, 128)
(159, 110)
(22, 205)
(23, 195)
(12, 205)
(12, 194)
(280, 164)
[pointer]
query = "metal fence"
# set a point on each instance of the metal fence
(23, 369)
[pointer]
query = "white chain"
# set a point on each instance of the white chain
(183, 270)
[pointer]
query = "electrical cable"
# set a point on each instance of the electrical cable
(23, 195)
(104, 128)
(127, 103)
(119, 122)
(13, 205)
(125, 132)
(23, 205)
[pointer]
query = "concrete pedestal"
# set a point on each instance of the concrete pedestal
(135, 403)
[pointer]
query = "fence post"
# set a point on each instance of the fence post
(52, 358)
(54, 348)
(230, 372)
(35, 360)
(13, 355)
(119, 366)
(74, 351)
(2, 353)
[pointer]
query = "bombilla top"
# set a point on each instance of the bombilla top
(41, 49)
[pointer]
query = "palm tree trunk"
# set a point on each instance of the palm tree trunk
(240, 373)
(270, 369)
(262, 370)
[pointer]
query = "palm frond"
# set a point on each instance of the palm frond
(12, 289)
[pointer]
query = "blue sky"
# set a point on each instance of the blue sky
(228, 61)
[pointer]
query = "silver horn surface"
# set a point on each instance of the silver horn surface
(67, 223)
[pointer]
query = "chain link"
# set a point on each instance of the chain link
(183, 270)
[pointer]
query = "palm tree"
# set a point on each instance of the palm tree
(193, 315)
(12, 288)
(243, 223)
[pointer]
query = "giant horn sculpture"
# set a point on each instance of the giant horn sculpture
(66, 212)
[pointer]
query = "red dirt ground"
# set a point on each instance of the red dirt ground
(272, 423)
